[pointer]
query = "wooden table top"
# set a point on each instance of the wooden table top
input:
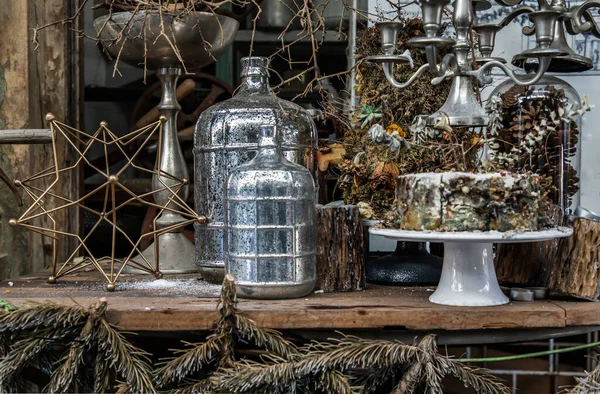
(184, 302)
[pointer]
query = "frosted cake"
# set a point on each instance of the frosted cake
(460, 201)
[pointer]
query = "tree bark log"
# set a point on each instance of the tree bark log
(567, 266)
(340, 249)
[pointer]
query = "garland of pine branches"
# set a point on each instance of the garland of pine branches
(78, 350)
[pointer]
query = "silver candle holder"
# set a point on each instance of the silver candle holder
(462, 109)
(149, 39)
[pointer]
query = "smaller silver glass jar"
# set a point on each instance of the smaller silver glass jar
(270, 224)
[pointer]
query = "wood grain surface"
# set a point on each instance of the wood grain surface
(177, 307)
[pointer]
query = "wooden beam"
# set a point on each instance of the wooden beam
(32, 83)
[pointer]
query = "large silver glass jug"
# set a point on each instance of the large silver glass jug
(270, 225)
(226, 136)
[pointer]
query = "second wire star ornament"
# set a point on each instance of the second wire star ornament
(46, 202)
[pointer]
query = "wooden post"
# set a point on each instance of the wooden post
(32, 83)
(568, 266)
(340, 249)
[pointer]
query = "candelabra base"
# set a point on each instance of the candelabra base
(175, 255)
(461, 108)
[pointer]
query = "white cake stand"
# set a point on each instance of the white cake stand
(468, 274)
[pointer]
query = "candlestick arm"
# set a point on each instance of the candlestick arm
(579, 19)
(389, 75)
(448, 68)
(519, 11)
(483, 76)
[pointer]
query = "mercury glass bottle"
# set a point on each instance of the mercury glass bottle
(539, 130)
(226, 136)
(270, 222)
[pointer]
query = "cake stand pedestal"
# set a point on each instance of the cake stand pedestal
(468, 274)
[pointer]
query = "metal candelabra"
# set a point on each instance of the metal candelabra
(163, 42)
(174, 248)
(462, 108)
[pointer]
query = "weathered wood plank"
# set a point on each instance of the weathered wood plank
(583, 313)
(53, 88)
(376, 308)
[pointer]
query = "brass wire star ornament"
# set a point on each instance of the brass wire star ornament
(81, 144)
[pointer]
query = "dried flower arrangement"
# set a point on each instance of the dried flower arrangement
(60, 340)
(385, 140)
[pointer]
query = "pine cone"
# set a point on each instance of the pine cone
(511, 97)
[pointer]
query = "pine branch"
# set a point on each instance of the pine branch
(17, 359)
(190, 362)
(352, 352)
(227, 351)
(103, 376)
(371, 379)
(316, 359)
(477, 378)
(410, 380)
(27, 350)
(228, 298)
(63, 378)
(433, 379)
(251, 377)
(129, 362)
(42, 317)
(588, 385)
(271, 340)
(334, 382)
(201, 387)
(414, 376)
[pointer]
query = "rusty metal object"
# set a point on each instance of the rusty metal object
(26, 136)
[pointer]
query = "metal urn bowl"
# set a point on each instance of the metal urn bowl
(200, 38)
